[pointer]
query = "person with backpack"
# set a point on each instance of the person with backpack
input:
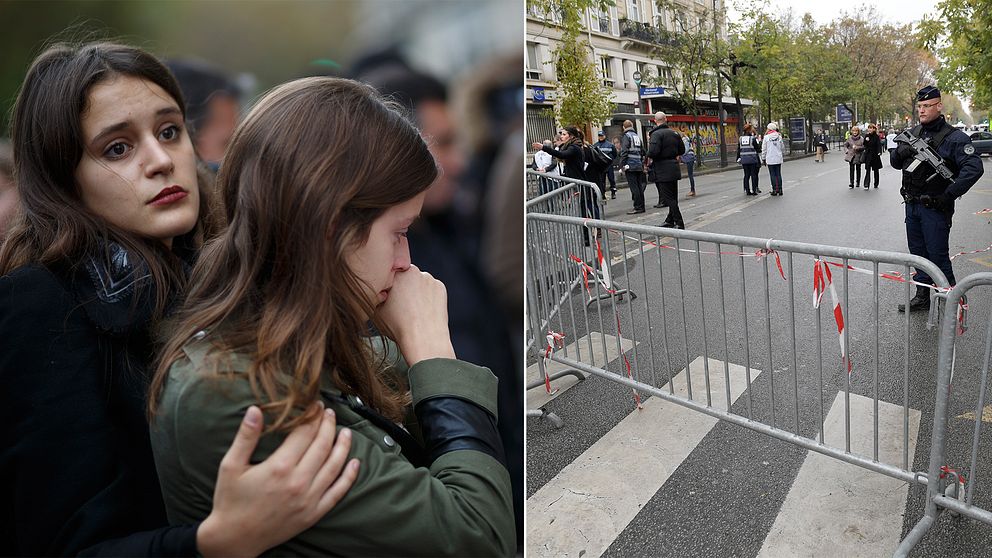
(632, 165)
(596, 165)
(665, 147)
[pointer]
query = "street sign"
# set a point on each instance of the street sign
(844, 114)
(538, 94)
(797, 129)
(637, 78)
(652, 91)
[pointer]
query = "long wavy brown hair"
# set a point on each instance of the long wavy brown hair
(314, 163)
(53, 225)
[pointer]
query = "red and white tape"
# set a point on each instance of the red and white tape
(555, 339)
(822, 278)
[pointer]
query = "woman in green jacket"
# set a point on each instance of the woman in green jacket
(278, 316)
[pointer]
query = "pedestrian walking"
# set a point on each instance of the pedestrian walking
(689, 158)
(872, 155)
(748, 148)
(665, 146)
(632, 165)
(854, 148)
(608, 148)
(821, 147)
(773, 154)
(929, 197)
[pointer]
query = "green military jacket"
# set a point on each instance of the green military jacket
(460, 506)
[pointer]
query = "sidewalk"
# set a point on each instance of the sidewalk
(712, 167)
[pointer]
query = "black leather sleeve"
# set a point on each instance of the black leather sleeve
(451, 424)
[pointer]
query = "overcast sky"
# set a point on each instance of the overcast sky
(891, 11)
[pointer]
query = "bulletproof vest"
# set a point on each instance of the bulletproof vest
(915, 182)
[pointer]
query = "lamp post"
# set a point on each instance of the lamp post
(637, 83)
(719, 93)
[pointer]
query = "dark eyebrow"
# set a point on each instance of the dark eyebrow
(124, 125)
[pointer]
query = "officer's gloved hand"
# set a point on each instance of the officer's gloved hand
(905, 151)
(945, 202)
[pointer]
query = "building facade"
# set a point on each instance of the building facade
(623, 39)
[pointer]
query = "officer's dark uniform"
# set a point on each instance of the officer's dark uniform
(611, 150)
(930, 201)
(664, 148)
(632, 155)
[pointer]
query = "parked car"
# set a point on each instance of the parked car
(982, 142)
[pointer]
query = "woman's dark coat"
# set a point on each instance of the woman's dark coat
(571, 153)
(873, 151)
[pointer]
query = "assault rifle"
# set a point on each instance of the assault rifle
(924, 154)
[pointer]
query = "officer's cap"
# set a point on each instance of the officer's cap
(601, 133)
(928, 92)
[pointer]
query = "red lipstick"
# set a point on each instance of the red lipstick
(169, 195)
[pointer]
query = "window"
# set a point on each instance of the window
(635, 10)
(603, 21)
(533, 62)
(606, 63)
(659, 20)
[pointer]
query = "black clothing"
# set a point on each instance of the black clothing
(873, 152)
(664, 149)
(574, 161)
(76, 462)
(670, 196)
(751, 175)
(855, 179)
(928, 225)
(637, 182)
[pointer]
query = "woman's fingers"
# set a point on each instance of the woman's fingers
(245, 441)
(296, 444)
(320, 448)
(340, 487)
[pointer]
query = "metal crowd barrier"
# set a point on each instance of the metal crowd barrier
(948, 487)
(557, 195)
(737, 312)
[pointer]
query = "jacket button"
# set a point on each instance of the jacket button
(358, 400)
(388, 440)
(199, 335)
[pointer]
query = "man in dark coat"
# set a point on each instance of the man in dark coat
(610, 150)
(664, 148)
(929, 198)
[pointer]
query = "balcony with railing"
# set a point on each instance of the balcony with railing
(644, 32)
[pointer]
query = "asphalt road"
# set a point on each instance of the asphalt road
(725, 496)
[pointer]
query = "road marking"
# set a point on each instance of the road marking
(838, 509)
(538, 397)
(986, 414)
(583, 509)
(984, 260)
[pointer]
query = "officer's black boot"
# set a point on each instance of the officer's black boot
(919, 302)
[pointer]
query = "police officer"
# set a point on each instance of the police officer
(664, 148)
(632, 164)
(929, 198)
(607, 147)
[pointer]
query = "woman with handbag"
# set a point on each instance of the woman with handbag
(854, 155)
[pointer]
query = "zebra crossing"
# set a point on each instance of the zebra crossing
(828, 508)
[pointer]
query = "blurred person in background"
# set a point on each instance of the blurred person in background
(213, 108)
(610, 149)
(447, 243)
(8, 190)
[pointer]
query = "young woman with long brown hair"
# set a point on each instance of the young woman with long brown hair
(320, 184)
(112, 214)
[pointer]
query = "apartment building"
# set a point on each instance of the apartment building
(623, 40)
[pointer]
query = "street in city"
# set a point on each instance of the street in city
(670, 481)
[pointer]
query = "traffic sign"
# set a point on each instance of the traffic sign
(637, 78)
(538, 94)
(645, 91)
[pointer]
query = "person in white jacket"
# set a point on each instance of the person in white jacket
(772, 155)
